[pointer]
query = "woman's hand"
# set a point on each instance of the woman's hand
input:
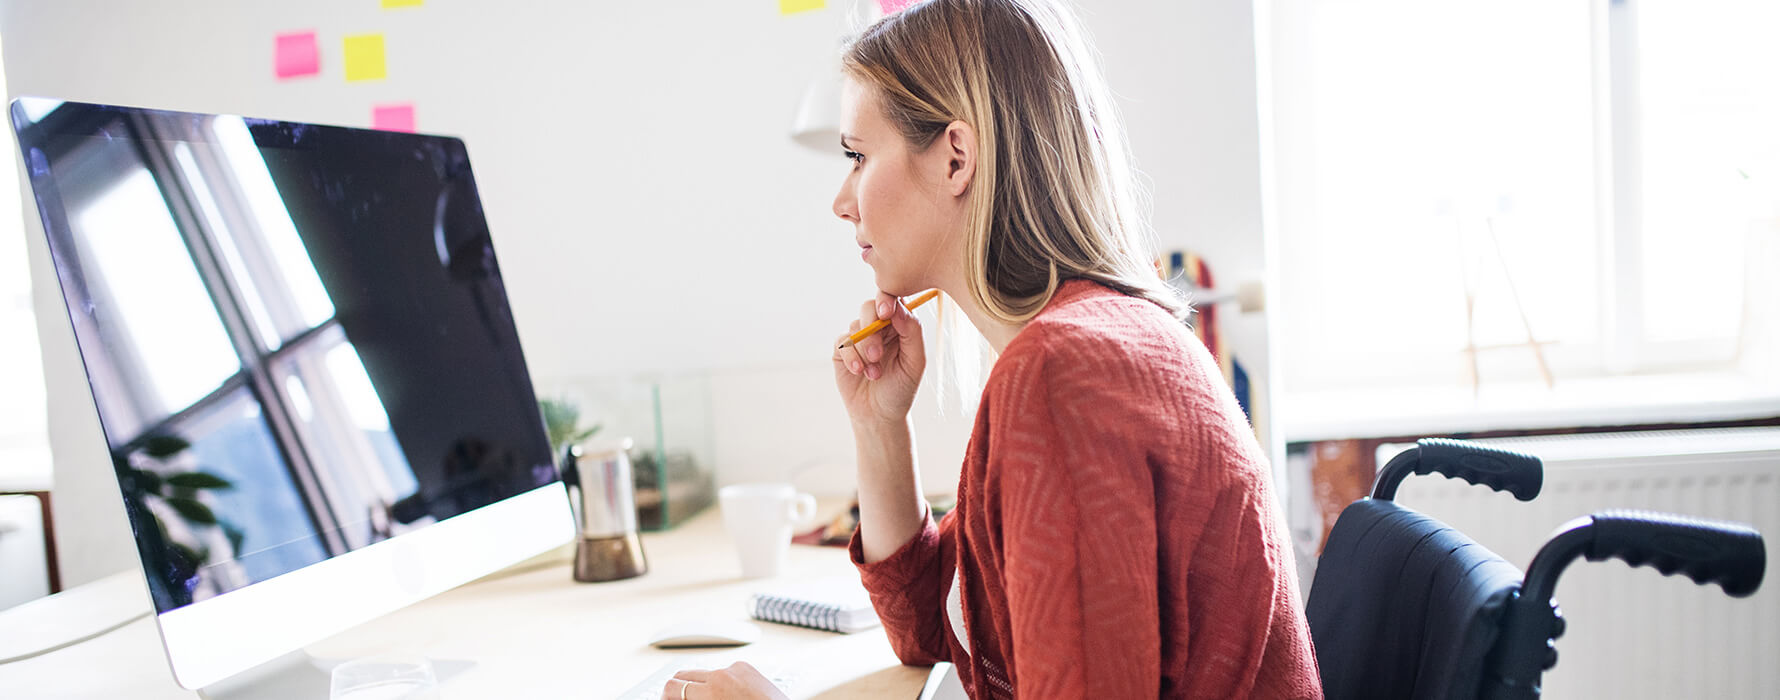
(878, 376)
(738, 682)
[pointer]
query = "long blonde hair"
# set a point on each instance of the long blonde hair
(1054, 196)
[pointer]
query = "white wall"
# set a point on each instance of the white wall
(650, 212)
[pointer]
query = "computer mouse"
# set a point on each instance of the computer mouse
(711, 632)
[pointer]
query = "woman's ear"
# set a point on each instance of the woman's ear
(960, 142)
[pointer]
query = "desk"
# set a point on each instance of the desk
(530, 630)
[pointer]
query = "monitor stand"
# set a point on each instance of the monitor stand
(299, 676)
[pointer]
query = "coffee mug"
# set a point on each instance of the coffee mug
(759, 518)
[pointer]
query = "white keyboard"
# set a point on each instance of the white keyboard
(650, 688)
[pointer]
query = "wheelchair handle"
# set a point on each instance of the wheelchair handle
(1731, 555)
(1501, 470)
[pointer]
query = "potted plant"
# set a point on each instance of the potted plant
(562, 420)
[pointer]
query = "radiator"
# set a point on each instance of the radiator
(1634, 633)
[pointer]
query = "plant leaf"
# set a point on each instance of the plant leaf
(147, 481)
(199, 480)
(560, 418)
(193, 557)
(193, 510)
(164, 446)
(234, 534)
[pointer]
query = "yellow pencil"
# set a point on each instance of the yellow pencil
(879, 324)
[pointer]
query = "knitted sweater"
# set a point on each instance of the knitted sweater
(1116, 535)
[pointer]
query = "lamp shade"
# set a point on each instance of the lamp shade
(818, 121)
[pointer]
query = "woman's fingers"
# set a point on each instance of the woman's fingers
(888, 305)
(876, 348)
(904, 324)
(872, 354)
(873, 347)
(849, 356)
(840, 357)
(674, 689)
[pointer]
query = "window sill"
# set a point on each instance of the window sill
(1580, 402)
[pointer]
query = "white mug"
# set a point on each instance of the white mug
(760, 517)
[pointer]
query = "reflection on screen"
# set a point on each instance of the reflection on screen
(129, 237)
(296, 336)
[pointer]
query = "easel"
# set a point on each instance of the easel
(1471, 346)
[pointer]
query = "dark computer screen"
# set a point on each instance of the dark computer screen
(296, 336)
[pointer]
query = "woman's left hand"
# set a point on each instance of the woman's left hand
(738, 682)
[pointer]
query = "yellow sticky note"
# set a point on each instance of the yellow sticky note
(387, 4)
(789, 7)
(364, 57)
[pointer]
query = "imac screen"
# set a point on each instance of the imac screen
(296, 336)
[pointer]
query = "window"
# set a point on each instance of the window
(1705, 152)
(1457, 174)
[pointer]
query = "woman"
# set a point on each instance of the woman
(1116, 535)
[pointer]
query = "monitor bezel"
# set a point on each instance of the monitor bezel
(261, 622)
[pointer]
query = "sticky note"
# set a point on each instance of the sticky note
(791, 7)
(295, 54)
(393, 117)
(889, 6)
(388, 4)
(364, 57)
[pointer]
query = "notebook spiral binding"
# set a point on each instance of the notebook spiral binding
(802, 613)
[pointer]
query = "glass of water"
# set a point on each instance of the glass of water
(387, 677)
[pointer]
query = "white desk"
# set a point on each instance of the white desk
(531, 631)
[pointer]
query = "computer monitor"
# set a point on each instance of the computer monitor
(301, 354)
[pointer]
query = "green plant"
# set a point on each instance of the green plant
(562, 420)
(179, 492)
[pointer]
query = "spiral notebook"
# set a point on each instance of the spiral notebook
(836, 604)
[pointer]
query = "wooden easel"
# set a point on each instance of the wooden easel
(1471, 346)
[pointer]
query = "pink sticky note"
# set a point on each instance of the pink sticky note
(296, 55)
(396, 117)
(889, 6)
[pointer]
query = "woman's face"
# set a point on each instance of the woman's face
(905, 219)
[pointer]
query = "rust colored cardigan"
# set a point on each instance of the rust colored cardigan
(1116, 535)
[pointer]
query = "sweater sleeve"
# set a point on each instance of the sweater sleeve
(1079, 532)
(908, 590)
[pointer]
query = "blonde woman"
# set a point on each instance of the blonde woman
(1116, 534)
